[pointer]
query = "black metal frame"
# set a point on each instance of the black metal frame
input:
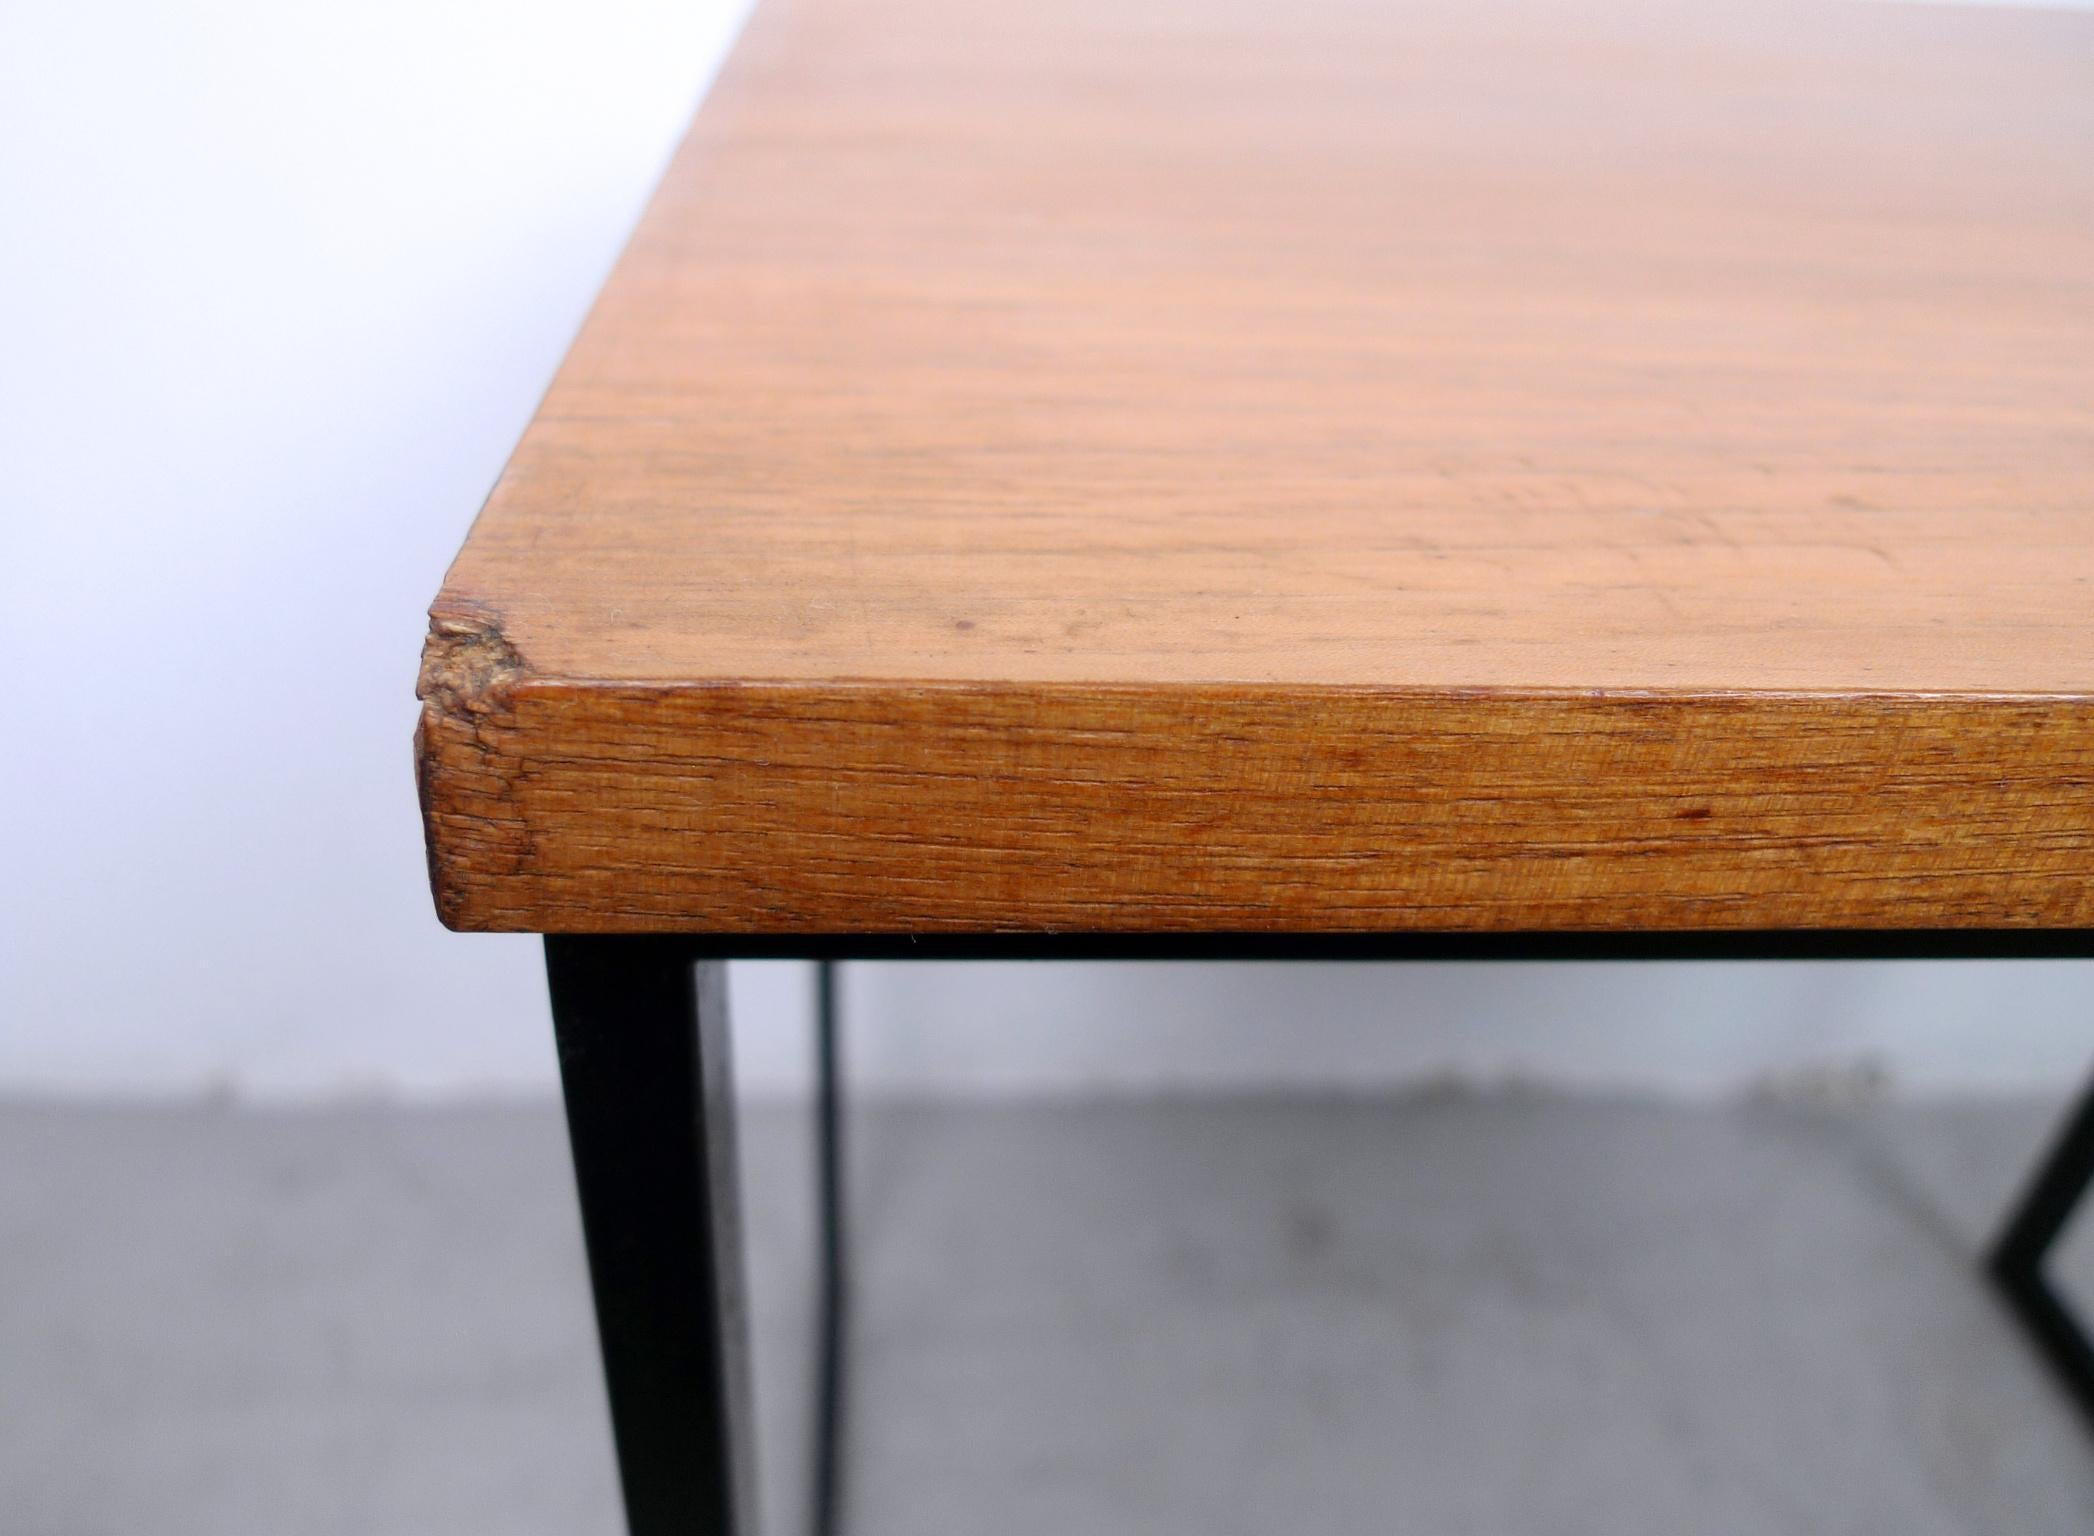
(833, 1294)
(2016, 1260)
(642, 1037)
(641, 1027)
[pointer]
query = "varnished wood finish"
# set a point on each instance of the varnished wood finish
(1154, 465)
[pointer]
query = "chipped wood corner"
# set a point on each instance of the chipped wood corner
(471, 826)
(468, 664)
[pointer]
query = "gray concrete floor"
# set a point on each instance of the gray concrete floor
(1440, 1314)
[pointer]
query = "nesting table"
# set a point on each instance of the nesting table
(1165, 477)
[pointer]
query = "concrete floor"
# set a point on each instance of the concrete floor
(1447, 1313)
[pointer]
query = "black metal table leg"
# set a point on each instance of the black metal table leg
(832, 1300)
(2016, 1260)
(642, 1036)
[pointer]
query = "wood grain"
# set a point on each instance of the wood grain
(1156, 465)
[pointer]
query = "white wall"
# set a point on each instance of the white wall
(279, 285)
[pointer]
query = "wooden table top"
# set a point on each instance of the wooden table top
(1179, 465)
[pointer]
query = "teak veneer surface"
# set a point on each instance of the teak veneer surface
(1168, 465)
